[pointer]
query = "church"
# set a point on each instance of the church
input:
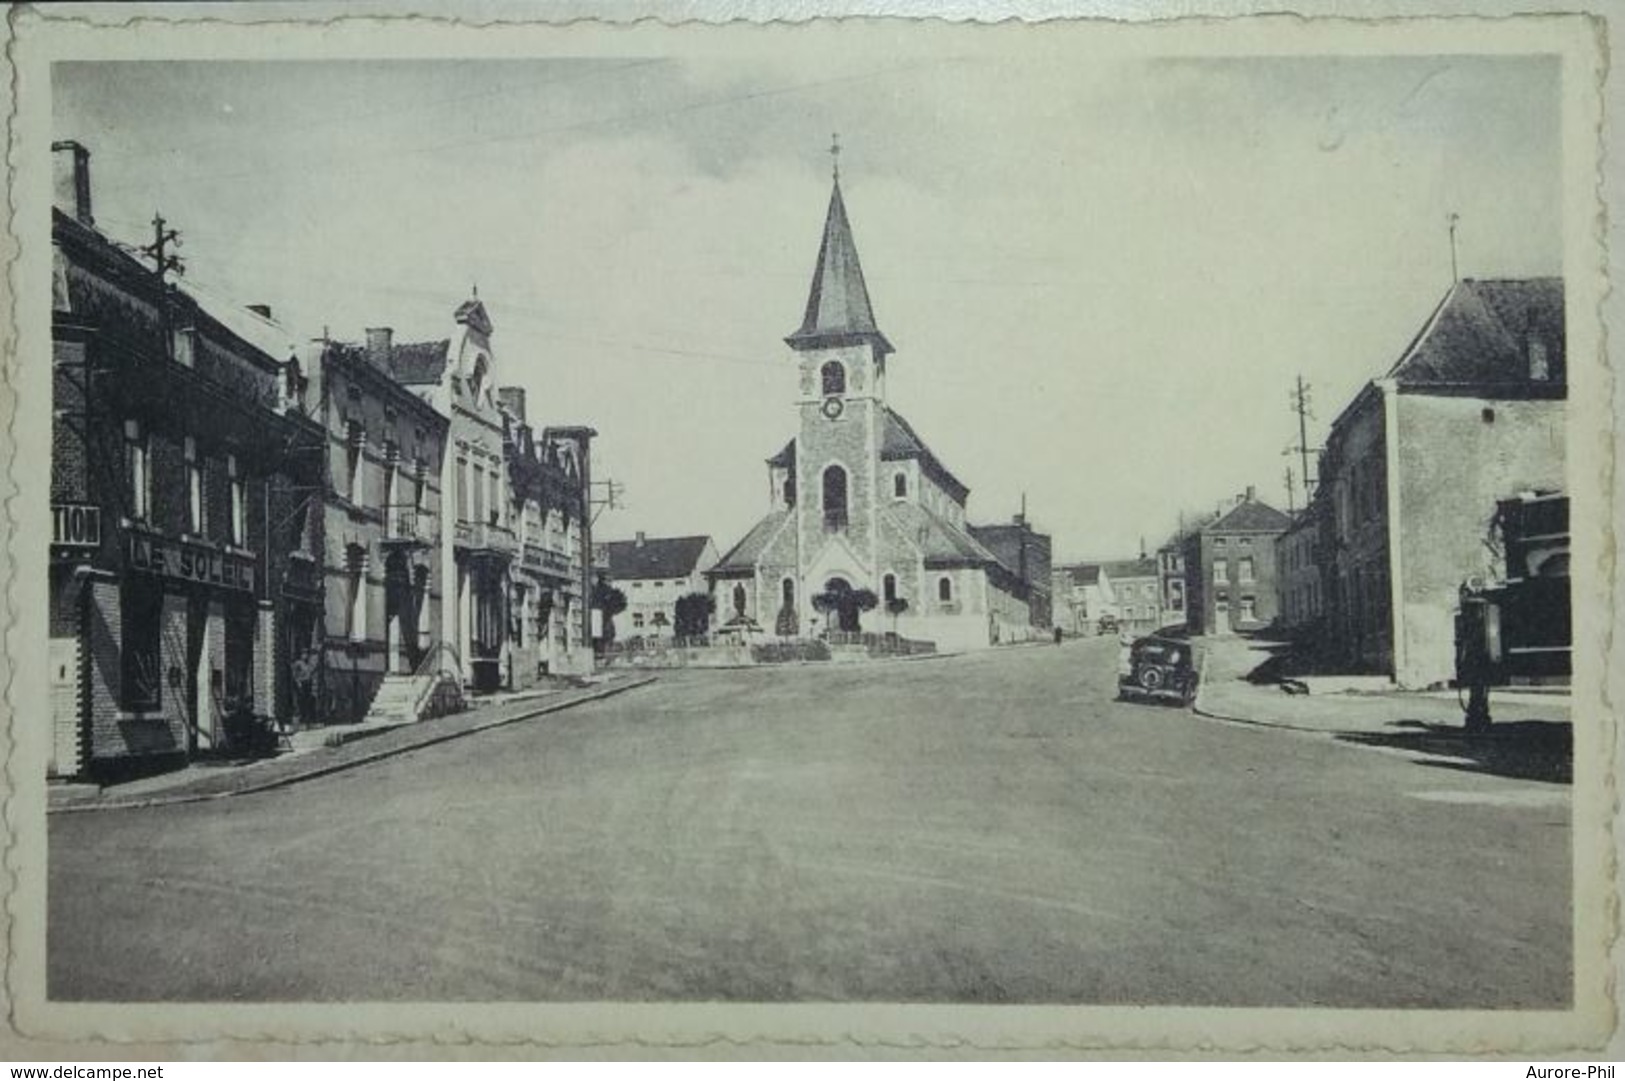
(867, 528)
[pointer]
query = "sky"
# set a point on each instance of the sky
(1102, 279)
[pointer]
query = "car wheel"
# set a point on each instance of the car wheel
(1151, 678)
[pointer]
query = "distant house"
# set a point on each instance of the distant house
(1078, 599)
(1230, 572)
(1171, 578)
(1133, 591)
(1473, 411)
(1301, 587)
(654, 572)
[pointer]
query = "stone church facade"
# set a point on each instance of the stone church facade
(859, 501)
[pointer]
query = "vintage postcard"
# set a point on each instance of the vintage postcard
(1065, 537)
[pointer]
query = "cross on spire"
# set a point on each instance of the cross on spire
(835, 155)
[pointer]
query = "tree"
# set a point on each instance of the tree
(611, 602)
(846, 603)
(895, 607)
(694, 612)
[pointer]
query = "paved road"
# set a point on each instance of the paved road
(987, 828)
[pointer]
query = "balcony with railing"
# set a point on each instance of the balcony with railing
(409, 527)
(485, 537)
(544, 560)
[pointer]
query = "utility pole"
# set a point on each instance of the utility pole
(1300, 406)
(158, 250)
(611, 499)
(1291, 507)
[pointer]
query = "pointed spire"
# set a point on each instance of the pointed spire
(838, 310)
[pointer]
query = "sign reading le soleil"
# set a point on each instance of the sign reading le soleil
(190, 562)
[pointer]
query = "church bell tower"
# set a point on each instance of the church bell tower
(841, 354)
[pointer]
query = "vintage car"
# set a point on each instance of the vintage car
(1158, 668)
(1107, 625)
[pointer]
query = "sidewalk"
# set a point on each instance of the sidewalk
(209, 781)
(1226, 695)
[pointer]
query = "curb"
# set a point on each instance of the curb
(1202, 711)
(340, 767)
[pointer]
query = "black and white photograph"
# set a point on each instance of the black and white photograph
(849, 515)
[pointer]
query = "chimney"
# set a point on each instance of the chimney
(1251, 493)
(512, 401)
(261, 310)
(639, 541)
(71, 165)
(379, 341)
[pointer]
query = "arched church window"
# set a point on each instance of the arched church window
(739, 599)
(789, 491)
(945, 589)
(476, 381)
(888, 588)
(899, 485)
(835, 498)
(834, 378)
(789, 586)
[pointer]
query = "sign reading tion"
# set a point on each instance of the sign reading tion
(76, 525)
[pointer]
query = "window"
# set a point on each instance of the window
(899, 485)
(835, 498)
(788, 588)
(357, 566)
(1221, 542)
(136, 451)
(420, 474)
(1221, 570)
(496, 495)
(356, 439)
(1247, 609)
(1246, 568)
(945, 589)
(194, 488)
(183, 340)
(239, 502)
(392, 470)
(463, 490)
(478, 493)
(833, 376)
(1245, 542)
(739, 600)
(637, 621)
(888, 588)
(142, 610)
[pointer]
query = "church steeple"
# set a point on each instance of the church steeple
(838, 310)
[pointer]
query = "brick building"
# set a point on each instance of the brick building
(1027, 553)
(183, 576)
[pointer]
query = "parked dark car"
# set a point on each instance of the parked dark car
(1158, 668)
(1107, 625)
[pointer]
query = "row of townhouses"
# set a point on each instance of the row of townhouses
(254, 533)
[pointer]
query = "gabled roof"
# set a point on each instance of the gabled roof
(1482, 332)
(1081, 574)
(941, 543)
(742, 556)
(471, 312)
(418, 363)
(654, 557)
(898, 440)
(1130, 568)
(838, 310)
(1249, 516)
(785, 457)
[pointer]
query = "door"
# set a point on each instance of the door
(1221, 617)
(198, 731)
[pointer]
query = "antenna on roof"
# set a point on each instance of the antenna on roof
(1453, 219)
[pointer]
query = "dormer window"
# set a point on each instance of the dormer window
(833, 376)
